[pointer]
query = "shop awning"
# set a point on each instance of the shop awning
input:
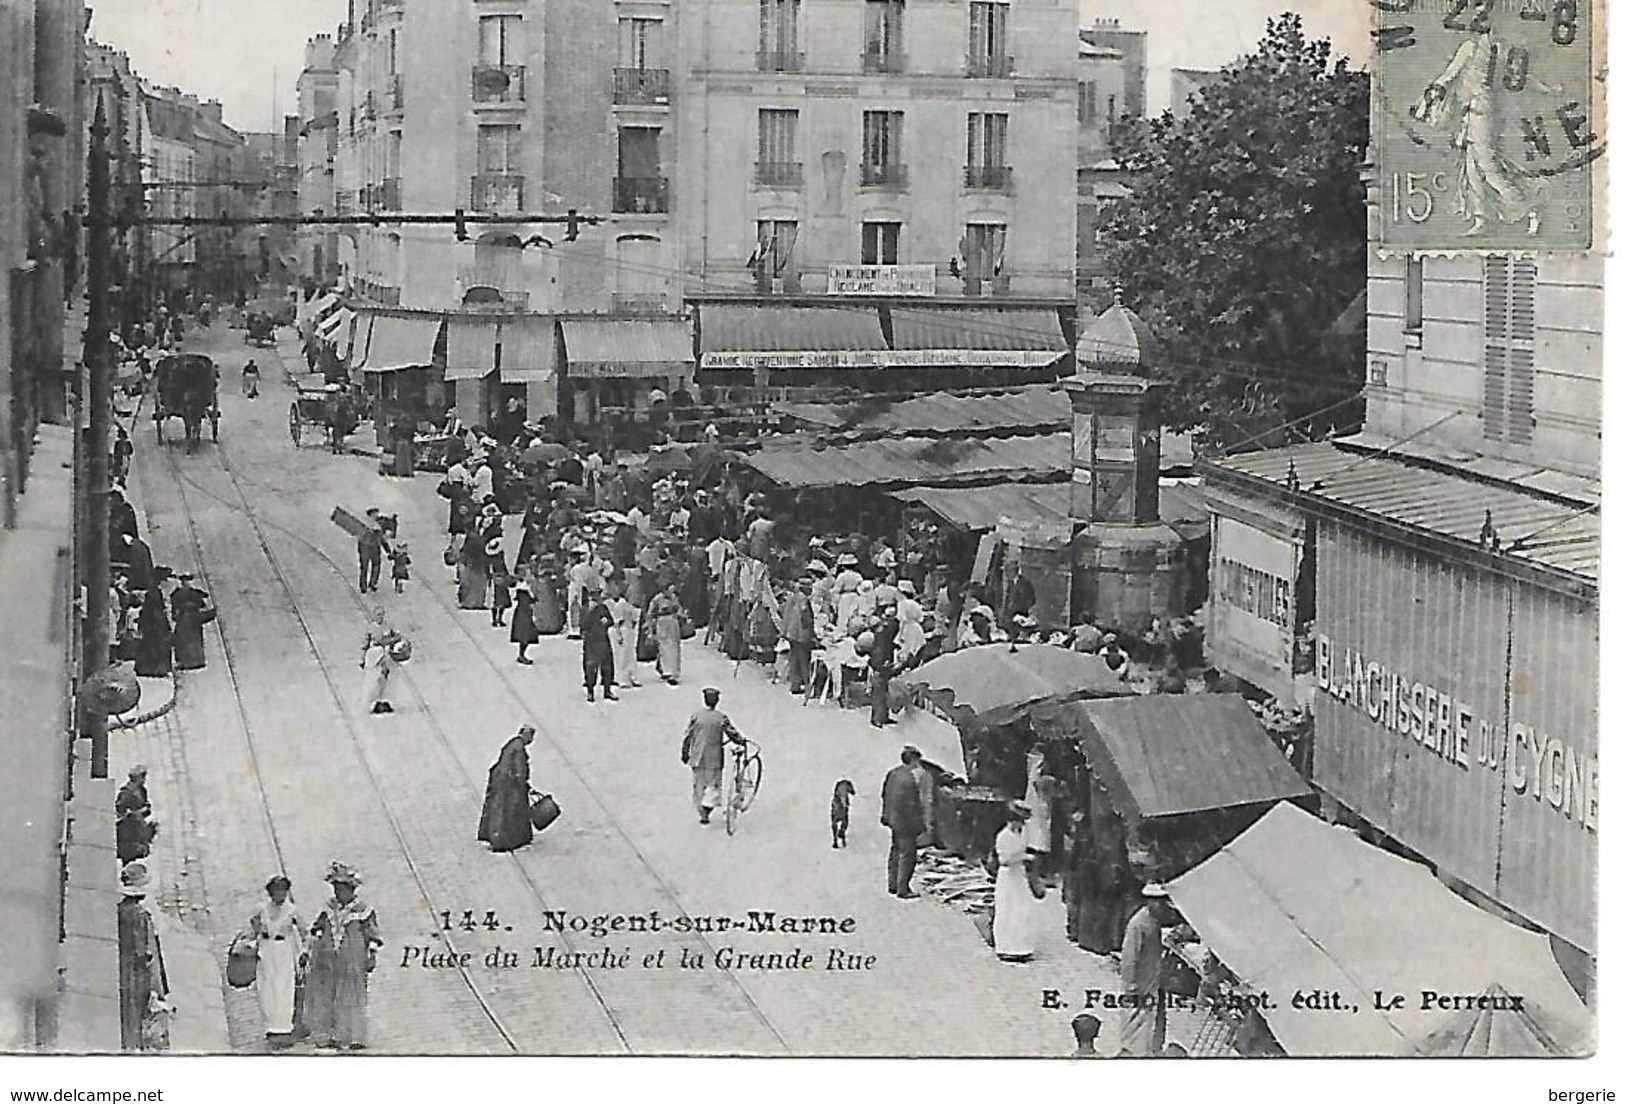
(902, 461)
(977, 509)
(623, 348)
(749, 336)
(328, 328)
(322, 305)
(1294, 904)
(528, 350)
(1165, 754)
(991, 337)
(471, 348)
(1035, 408)
(998, 683)
(400, 342)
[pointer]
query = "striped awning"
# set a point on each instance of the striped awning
(993, 337)
(625, 348)
(402, 342)
(751, 336)
(322, 305)
(328, 328)
(528, 354)
(471, 348)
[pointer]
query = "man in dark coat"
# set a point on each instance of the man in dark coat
(138, 557)
(369, 550)
(505, 817)
(132, 796)
(597, 654)
(798, 632)
(882, 665)
(902, 812)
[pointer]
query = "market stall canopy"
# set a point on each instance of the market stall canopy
(471, 348)
(1039, 408)
(1165, 754)
(739, 336)
(545, 452)
(669, 459)
(979, 509)
(402, 341)
(901, 461)
(1296, 904)
(1504, 1028)
(529, 350)
(999, 684)
(627, 348)
(982, 337)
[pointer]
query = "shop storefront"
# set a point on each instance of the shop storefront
(1455, 670)
(769, 345)
(471, 366)
(403, 367)
(1253, 610)
(622, 372)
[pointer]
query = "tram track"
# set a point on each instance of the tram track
(472, 784)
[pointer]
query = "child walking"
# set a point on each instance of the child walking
(400, 567)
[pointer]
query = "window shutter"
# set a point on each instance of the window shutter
(1521, 352)
(1496, 351)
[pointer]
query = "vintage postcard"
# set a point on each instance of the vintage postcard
(801, 528)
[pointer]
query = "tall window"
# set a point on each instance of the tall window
(394, 50)
(986, 150)
(1087, 103)
(775, 249)
(499, 150)
(1509, 349)
(1413, 295)
(640, 44)
(989, 48)
(983, 249)
(883, 36)
(882, 147)
(778, 45)
(776, 147)
(639, 187)
(499, 39)
(880, 242)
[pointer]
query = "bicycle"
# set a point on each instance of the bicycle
(742, 783)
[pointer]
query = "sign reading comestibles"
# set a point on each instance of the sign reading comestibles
(1252, 606)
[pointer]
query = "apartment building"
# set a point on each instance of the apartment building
(1105, 76)
(317, 155)
(896, 225)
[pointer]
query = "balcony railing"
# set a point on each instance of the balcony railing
(778, 174)
(498, 84)
(993, 178)
(641, 195)
(893, 177)
(502, 192)
(344, 202)
(990, 65)
(884, 61)
(369, 107)
(395, 97)
(780, 61)
(642, 86)
(492, 295)
(638, 303)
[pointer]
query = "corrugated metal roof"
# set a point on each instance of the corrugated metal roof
(906, 460)
(1528, 475)
(1035, 409)
(1531, 528)
(989, 328)
(1164, 754)
(1183, 507)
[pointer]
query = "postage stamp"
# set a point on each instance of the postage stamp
(1487, 123)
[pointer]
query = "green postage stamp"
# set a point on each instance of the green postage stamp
(1488, 123)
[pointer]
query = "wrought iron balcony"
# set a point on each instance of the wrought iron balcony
(501, 192)
(778, 174)
(892, 176)
(495, 85)
(641, 195)
(884, 61)
(990, 65)
(780, 61)
(638, 303)
(993, 178)
(395, 97)
(642, 86)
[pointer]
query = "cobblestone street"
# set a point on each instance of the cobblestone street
(269, 763)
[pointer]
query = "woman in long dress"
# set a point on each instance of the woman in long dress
(189, 608)
(473, 574)
(523, 632)
(344, 944)
(668, 635)
(1012, 894)
(505, 816)
(627, 619)
(377, 663)
(154, 656)
(280, 936)
(549, 615)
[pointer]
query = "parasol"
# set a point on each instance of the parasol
(999, 683)
(545, 452)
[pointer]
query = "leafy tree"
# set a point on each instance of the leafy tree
(1245, 239)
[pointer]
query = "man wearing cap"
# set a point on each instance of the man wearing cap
(1145, 1018)
(708, 729)
(902, 811)
(597, 651)
(369, 548)
(344, 942)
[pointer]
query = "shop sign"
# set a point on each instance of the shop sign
(1253, 604)
(973, 358)
(856, 279)
(864, 358)
(1540, 767)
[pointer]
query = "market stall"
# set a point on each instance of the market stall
(1296, 905)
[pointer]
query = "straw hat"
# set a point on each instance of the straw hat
(339, 873)
(133, 879)
(1154, 890)
(1019, 809)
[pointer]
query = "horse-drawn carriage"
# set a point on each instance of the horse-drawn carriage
(260, 330)
(330, 406)
(187, 387)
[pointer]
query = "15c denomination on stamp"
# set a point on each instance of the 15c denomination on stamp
(1486, 124)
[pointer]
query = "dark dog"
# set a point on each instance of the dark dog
(840, 811)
